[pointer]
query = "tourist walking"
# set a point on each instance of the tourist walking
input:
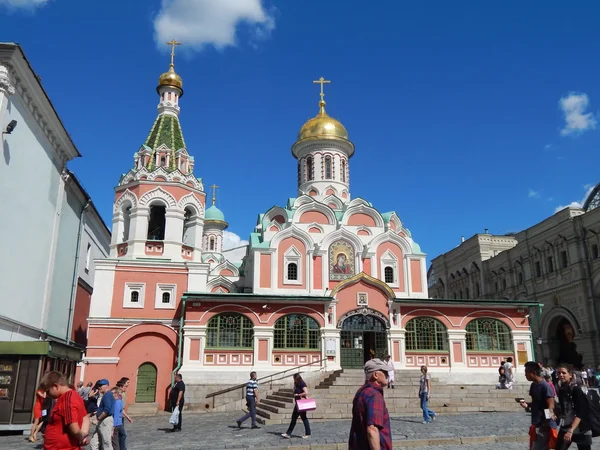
(542, 399)
(425, 395)
(39, 415)
(370, 419)
(84, 391)
(574, 409)
(117, 437)
(300, 392)
(68, 426)
(251, 401)
(123, 384)
(177, 399)
(388, 361)
(509, 372)
(104, 416)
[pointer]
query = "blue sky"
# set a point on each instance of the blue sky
(465, 115)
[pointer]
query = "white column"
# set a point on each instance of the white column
(138, 232)
(461, 337)
(173, 234)
(261, 334)
(326, 334)
(524, 338)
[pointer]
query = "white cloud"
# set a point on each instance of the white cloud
(547, 146)
(577, 120)
(533, 194)
(198, 23)
(23, 4)
(234, 247)
(588, 189)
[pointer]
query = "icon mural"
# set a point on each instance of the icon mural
(341, 261)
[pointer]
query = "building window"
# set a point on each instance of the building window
(594, 251)
(520, 277)
(467, 293)
(426, 333)
(189, 217)
(126, 223)
(485, 335)
(292, 271)
(328, 167)
(460, 294)
(297, 331)
(538, 269)
(211, 243)
(88, 258)
(163, 161)
(504, 283)
(157, 222)
(564, 259)
(389, 274)
(496, 287)
(230, 331)
(477, 290)
(343, 170)
(133, 297)
(165, 296)
(310, 173)
(550, 262)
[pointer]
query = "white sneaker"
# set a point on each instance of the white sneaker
(306, 436)
(285, 435)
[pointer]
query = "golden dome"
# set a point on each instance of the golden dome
(322, 127)
(170, 78)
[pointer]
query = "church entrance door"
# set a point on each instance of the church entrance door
(361, 336)
(145, 391)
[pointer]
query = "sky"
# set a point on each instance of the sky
(465, 115)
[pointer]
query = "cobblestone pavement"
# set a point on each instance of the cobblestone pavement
(210, 431)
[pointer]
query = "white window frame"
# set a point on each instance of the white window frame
(292, 255)
(129, 288)
(388, 259)
(160, 290)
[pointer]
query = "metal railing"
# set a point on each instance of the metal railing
(270, 378)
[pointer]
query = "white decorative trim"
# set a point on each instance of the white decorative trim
(131, 287)
(6, 86)
(388, 259)
(161, 289)
(192, 200)
(101, 360)
(125, 196)
(158, 193)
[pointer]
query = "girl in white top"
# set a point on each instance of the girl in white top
(388, 361)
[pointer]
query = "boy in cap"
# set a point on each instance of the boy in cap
(370, 418)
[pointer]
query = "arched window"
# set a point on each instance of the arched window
(297, 331)
(343, 171)
(187, 226)
(166, 297)
(163, 161)
(388, 274)
(309, 169)
(126, 223)
(211, 243)
(292, 271)
(135, 296)
(488, 335)
(157, 222)
(426, 333)
(328, 167)
(229, 330)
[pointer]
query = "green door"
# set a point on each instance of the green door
(145, 391)
(361, 336)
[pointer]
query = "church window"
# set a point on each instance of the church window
(297, 331)
(292, 271)
(426, 333)
(135, 297)
(550, 263)
(163, 161)
(594, 251)
(230, 330)
(488, 335)
(166, 297)
(504, 283)
(211, 243)
(126, 224)
(188, 218)
(156, 225)
(564, 259)
(477, 290)
(538, 269)
(169, 96)
(310, 173)
(520, 277)
(343, 171)
(496, 287)
(328, 167)
(389, 274)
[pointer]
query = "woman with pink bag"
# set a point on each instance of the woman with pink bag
(300, 392)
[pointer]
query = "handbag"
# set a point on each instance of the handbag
(306, 404)
(174, 419)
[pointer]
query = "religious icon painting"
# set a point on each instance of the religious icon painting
(341, 260)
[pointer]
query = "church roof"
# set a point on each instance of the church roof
(166, 130)
(214, 213)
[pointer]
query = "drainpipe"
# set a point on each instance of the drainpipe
(180, 348)
(76, 271)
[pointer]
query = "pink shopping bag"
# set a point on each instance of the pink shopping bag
(306, 404)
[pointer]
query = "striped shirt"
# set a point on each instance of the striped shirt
(251, 387)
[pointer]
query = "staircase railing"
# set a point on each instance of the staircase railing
(271, 378)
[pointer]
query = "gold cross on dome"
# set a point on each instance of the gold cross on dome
(214, 188)
(173, 43)
(322, 81)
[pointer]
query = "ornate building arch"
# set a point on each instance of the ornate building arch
(160, 194)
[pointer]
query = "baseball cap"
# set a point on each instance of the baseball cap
(375, 364)
(102, 382)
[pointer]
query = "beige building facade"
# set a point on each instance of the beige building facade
(555, 262)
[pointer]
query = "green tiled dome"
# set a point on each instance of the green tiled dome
(214, 213)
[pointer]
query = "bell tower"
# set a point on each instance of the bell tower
(159, 203)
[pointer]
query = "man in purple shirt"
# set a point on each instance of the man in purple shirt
(370, 418)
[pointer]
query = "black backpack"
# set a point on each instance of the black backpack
(593, 418)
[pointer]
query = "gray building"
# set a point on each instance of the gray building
(47, 226)
(555, 262)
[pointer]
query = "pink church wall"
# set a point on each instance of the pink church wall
(367, 266)
(415, 275)
(347, 298)
(393, 226)
(265, 270)
(263, 350)
(457, 347)
(397, 252)
(283, 247)
(194, 349)
(216, 288)
(279, 219)
(361, 219)
(314, 230)
(330, 192)
(226, 273)
(318, 272)
(177, 192)
(314, 217)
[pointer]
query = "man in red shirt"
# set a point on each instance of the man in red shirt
(68, 425)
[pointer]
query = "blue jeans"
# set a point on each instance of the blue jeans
(251, 402)
(302, 415)
(427, 413)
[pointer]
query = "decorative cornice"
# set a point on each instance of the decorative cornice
(6, 87)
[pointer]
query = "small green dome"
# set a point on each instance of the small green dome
(214, 213)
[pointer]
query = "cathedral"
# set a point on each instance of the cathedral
(327, 280)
